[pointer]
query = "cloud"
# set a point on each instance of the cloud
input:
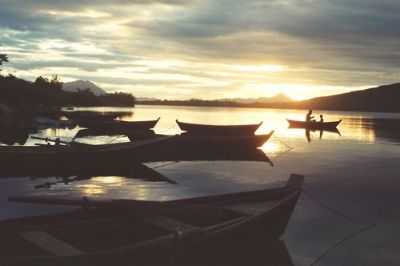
(317, 43)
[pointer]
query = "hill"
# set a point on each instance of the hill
(278, 98)
(378, 99)
(81, 85)
(23, 94)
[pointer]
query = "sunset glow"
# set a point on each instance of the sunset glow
(186, 49)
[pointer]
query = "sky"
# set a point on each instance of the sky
(177, 49)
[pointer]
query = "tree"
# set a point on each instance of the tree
(3, 59)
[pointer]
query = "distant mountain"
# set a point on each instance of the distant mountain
(379, 99)
(278, 98)
(80, 85)
(146, 99)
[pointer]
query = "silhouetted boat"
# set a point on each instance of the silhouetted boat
(126, 232)
(77, 155)
(212, 141)
(134, 134)
(124, 127)
(314, 125)
(82, 116)
(218, 130)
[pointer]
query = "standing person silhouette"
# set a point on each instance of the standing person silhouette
(321, 118)
(309, 116)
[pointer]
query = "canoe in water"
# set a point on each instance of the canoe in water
(218, 130)
(314, 125)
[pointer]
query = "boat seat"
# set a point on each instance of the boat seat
(170, 224)
(50, 244)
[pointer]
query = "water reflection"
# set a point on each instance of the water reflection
(379, 128)
(309, 133)
(243, 253)
(355, 126)
(341, 164)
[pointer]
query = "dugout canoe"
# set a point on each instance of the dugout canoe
(126, 232)
(218, 130)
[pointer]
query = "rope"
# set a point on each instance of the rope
(340, 242)
(164, 164)
(114, 139)
(330, 209)
(284, 143)
(338, 213)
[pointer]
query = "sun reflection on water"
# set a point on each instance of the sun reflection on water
(91, 189)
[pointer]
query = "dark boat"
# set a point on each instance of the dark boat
(212, 148)
(134, 134)
(127, 232)
(78, 155)
(82, 116)
(314, 125)
(218, 130)
(124, 127)
(211, 142)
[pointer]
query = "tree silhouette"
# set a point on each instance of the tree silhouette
(3, 59)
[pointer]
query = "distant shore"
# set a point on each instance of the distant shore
(292, 105)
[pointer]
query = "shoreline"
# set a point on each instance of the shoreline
(260, 106)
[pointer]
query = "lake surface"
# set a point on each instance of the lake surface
(347, 215)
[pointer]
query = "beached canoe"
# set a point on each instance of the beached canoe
(77, 155)
(127, 232)
(81, 116)
(135, 134)
(218, 130)
(314, 125)
(125, 127)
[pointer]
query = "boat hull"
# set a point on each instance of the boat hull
(314, 125)
(218, 130)
(76, 157)
(110, 233)
(124, 127)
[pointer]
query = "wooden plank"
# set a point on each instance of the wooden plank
(170, 224)
(50, 244)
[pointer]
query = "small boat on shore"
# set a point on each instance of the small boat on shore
(82, 116)
(126, 232)
(124, 127)
(218, 130)
(78, 155)
(133, 134)
(314, 125)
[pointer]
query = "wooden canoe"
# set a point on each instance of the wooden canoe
(78, 156)
(133, 134)
(125, 127)
(314, 125)
(80, 116)
(218, 130)
(211, 142)
(126, 232)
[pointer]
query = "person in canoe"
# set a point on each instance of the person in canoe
(309, 116)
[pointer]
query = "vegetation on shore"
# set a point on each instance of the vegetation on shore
(23, 94)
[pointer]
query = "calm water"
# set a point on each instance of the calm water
(347, 215)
